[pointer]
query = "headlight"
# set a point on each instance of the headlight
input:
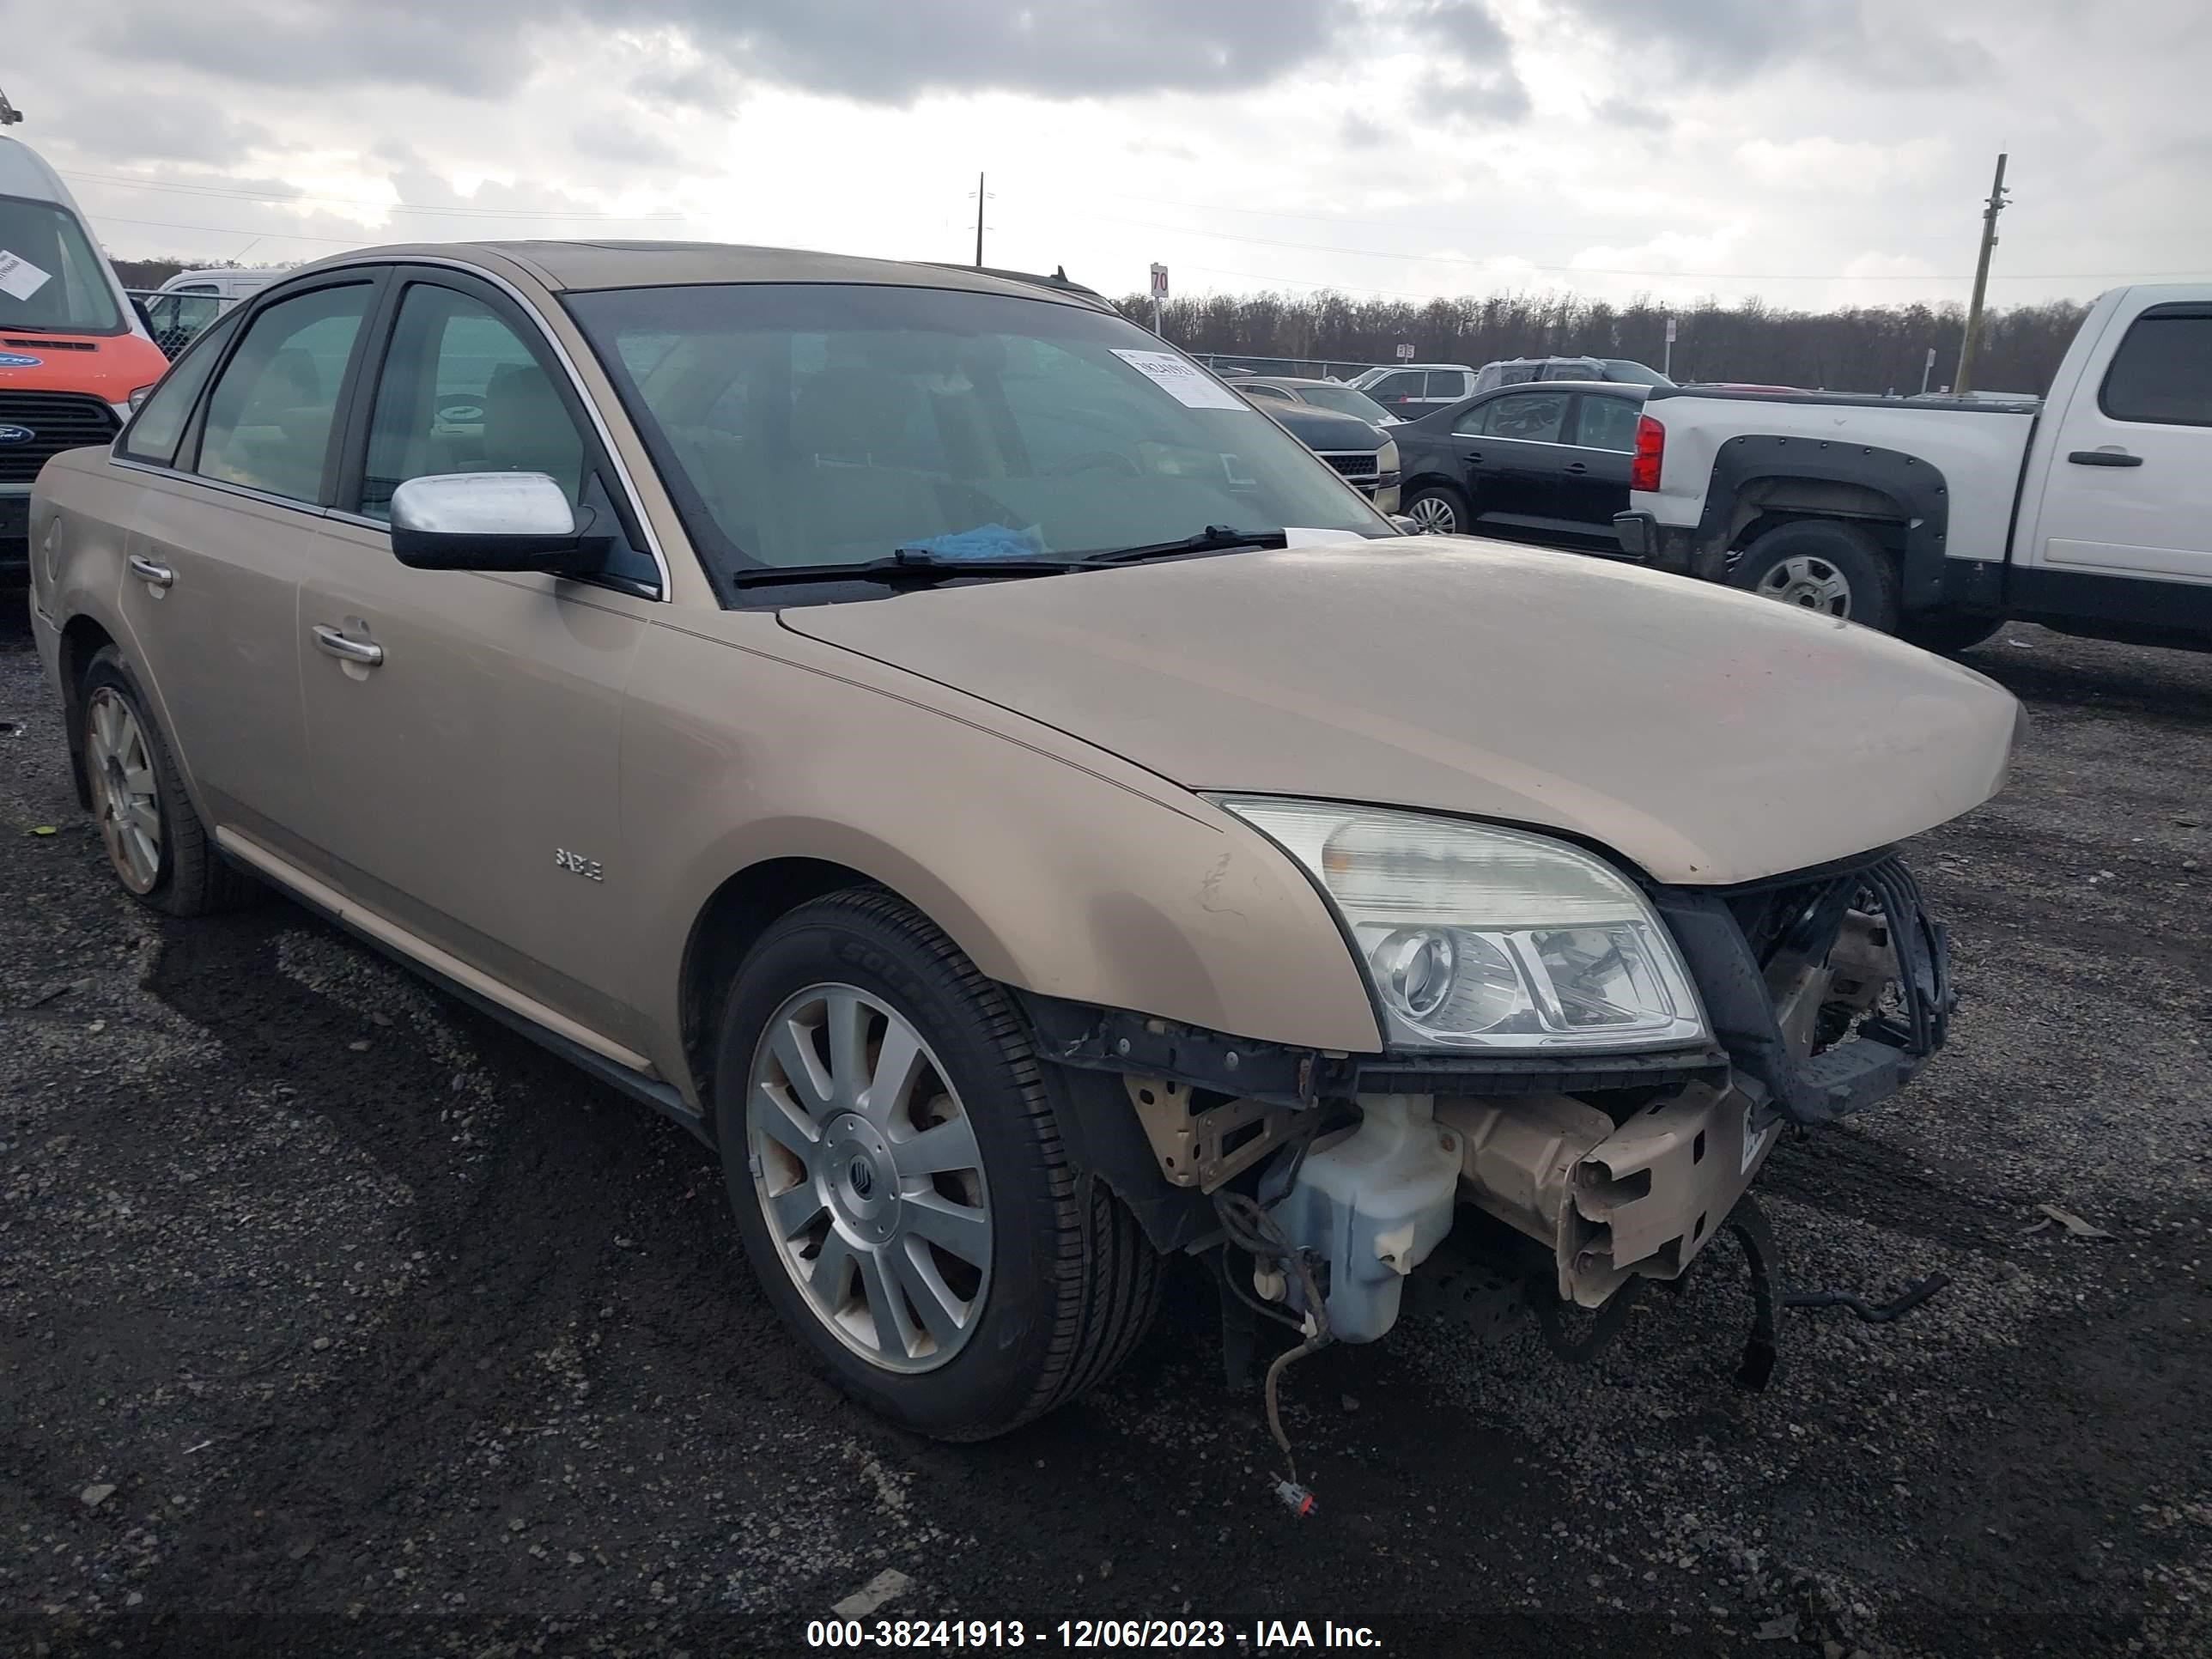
(1385, 459)
(1478, 937)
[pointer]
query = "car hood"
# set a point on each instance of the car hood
(1709, 736)
(1320, 428)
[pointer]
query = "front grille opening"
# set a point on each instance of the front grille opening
(37, 426)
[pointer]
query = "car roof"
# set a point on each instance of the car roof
(1305, 379)
(1618, 388)
(25, 172)
(580, 267)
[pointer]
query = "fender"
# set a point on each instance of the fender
(1914, 484)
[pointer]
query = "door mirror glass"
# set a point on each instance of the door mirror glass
(489, 521)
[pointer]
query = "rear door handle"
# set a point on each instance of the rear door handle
(331, 642)
(1577, 466)
(2103, 457)
(151, 570)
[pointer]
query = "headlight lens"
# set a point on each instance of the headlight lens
(1479, 938)
(1386, 459)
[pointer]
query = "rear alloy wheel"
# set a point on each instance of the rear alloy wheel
(1437, 510)
(1833, 570)
(120, 761)
(160, 850)
(893, 1153)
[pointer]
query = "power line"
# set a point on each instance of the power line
(1623, 271)
(229, 194)
(230, 230)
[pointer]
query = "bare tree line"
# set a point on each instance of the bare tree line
(1858, 349)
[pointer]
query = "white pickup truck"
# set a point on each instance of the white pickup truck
(2090, 513)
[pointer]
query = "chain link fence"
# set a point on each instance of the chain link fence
(176, 318)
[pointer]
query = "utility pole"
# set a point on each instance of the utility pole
(1997, 204)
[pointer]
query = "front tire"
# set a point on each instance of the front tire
(1834, 569)
(1439, 510)
(156, 844)
(896, 1170)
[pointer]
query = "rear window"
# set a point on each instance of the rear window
(2162, 373)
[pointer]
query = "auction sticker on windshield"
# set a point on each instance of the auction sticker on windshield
(19, 278)
(1185, 382)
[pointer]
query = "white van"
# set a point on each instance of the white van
(178, 310)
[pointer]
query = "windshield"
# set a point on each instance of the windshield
(1344, 400)
(51, 278)
(801, 425)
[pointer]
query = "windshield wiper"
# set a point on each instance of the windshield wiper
(1214, 538)
(45, 328)
(907, 564)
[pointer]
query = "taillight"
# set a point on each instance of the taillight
(1650, 454)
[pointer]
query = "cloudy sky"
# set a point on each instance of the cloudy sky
(1812, 152)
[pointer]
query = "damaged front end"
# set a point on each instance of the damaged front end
(1824, 993)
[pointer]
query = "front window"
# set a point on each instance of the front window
(802, 425)
(52, 279)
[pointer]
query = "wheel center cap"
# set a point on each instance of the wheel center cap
(859, 1177)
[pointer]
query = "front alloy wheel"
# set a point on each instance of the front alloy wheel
(867, 1170)
(1436, 514)
(894, 1158)
(120, 764)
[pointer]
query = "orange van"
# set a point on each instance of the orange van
(73, 354)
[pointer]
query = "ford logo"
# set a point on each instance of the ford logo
(17, 359)
(16, 435)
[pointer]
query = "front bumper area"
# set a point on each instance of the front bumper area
(1827, 991)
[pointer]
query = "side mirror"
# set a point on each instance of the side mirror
(1406, 526)
(490, 521)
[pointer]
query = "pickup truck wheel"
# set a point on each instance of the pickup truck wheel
(1836, 569)
(894, 1159)
(1948, 631)
(156, 845)
(1439, 510)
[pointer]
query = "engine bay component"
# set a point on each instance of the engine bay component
(1614, 1202)
(1202, 1146)
(1372, 1202)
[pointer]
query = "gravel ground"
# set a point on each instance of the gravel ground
(336, 1319)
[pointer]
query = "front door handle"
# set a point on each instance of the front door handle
(331, 642)
(151, 570)
(2103, 457)
(1474, 455)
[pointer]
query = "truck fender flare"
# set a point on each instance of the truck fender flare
(1914, 483)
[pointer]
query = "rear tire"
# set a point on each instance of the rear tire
(1949, 632)
(156, 844)
(847, 1226)
(1439, 509)
(1829, 568)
